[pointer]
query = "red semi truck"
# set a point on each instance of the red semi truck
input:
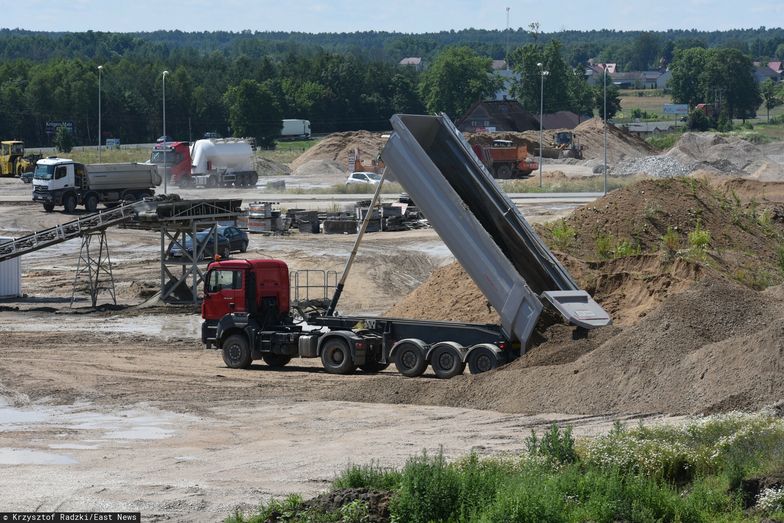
(208, 163)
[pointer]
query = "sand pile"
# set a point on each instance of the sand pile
(267, 167)
(725, 154)
(330, 155)
(630, 286)
(717, 346)
(620, 144)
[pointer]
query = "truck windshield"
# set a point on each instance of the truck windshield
(43, 172)
(157, 157)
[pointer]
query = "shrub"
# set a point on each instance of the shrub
(626, 248)
(699, 239)
(555, 446)
(563, 235)
(429, 490)
(671, 240)
(605, 244)
(367, 476)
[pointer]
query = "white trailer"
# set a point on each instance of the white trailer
(61, 181)
(293, 129)
(223, 162)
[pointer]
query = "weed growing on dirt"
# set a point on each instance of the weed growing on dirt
(780, 256)
(563, 235)
(694, 472)
(369, 476)
(605, 244)
(699, 239)
(671, 240)
(664, 141)
(626, 248)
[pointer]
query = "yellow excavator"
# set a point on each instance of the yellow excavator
(13, 161)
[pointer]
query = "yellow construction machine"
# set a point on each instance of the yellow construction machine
(13, 161)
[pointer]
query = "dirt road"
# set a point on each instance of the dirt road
(121, 421)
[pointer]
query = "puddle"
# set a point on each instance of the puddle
(33, 457)
(166, 326)
(94, 430)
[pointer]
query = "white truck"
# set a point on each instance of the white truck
(220, 162)
(60, 181)
(293, 129)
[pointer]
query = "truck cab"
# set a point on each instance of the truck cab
(245, 287)
(178, 161)
(54, 178)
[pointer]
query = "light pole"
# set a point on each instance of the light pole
(165, 74)
(605, 128)
(542, 73)
(100, 70)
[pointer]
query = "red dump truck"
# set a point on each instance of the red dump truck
(249, 305)
(505, 160)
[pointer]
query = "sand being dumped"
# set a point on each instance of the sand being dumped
(691, 334)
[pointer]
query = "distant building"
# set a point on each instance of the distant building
(497, 115)
(413, 61)
(763, 71)
(561, 120)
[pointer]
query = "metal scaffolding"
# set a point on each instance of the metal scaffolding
(91, 267)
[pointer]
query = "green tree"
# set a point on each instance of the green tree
(644, 51)
(63, 140)
(721, 76)
(457, 78)
(613, 99)
(253, 111)
(770, 95)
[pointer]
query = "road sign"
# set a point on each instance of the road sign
(676, 109)
(51, 127)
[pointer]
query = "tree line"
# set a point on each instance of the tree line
(247, 89)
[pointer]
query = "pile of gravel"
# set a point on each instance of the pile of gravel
(656, 166)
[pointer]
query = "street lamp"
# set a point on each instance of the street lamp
(605, 128)
(165, 74)
(100, 70)
(542, 73)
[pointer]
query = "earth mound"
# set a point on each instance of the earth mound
(714, 347)
(331, 153)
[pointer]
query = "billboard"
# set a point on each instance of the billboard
(679, 109)
(51, 127)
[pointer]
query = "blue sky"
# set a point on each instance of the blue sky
(408, 16)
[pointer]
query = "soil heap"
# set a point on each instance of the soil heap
(725, 154)
(330, 155)
(692, 334)
(613, 247)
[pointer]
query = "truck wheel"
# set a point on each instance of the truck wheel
(253, 179)
(236, 353)
(503, 172)
(48, 207)
(371, 367)
(275, 361)
(211, 182)
(69, 202)
(336, 357)
(481, 360)
(91, 203)
(446, 362)
(410, 360)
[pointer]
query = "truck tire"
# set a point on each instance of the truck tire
(276, 361)
(236, 353)
(481, 360)
(446, 362)
(212, 182)
(48, 207)
(336, 357)
(410, 360)
(371, 367)
(503, 172)
(91, 203)
(69, 202)
(253, 179)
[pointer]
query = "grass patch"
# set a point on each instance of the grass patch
(563, 235)
(583, 184)
(689, 473)
(663, 141)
